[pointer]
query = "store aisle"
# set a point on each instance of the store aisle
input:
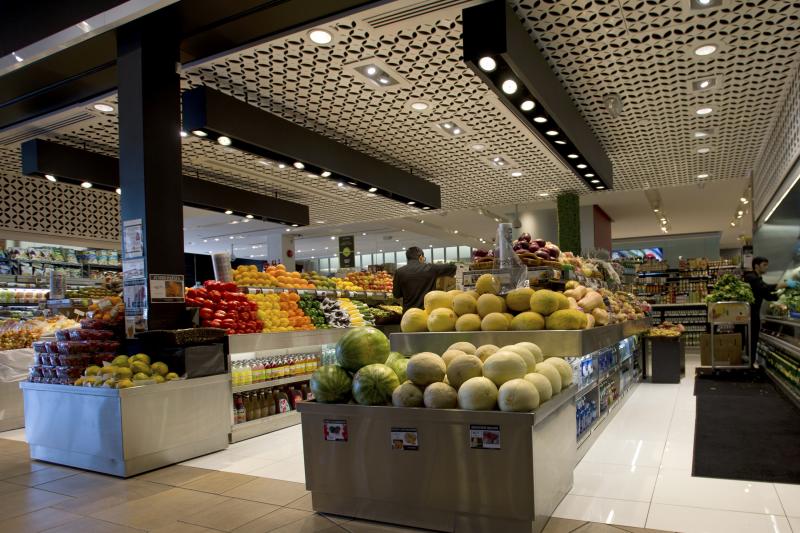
(638, 473)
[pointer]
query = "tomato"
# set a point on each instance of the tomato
(228, 287)
(244, 315)
(230, 332)
(215, 323)
(228, 323)
(220, 314)
(215, 295)
(206, 312)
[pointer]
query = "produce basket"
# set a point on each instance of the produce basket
(182, 337)
(482, 265)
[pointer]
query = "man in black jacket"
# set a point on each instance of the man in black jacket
(417, 278)
(761, 291)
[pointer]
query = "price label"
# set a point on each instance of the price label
(404, 439)
(334, 430)
(484, 437)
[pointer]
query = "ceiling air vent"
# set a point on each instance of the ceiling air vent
(419, 12)
(19, 135)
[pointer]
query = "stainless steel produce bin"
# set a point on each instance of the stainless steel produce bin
(446, 484)
(128, 431)
(554, 343)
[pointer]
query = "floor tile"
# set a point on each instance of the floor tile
(274, 491)
(218, 482)
(790, 498)
(28, 500)
(175, 475)
(604, 510)
(9, 487)
(273, 521)
(678, 487)
(303, 503)
(562, 525)
(91, 525)
(43, 475)
(631, 529)
(677, 455)
(795, 523)
(229, 515)
(364, 526)
(38, 520)
(696, 520)
(248, 465)
(182, 527)
(633, 483)
(95, 492)
(286, 470)
(14, 434)
(625, 452)
(12, 466)
(311, 524)
(159, 510)
(598, 528)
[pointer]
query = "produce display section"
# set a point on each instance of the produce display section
(779, 349)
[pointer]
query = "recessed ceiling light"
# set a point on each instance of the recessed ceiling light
(419, 106)
(199, 133)
(700, 134)
(733, 224)
(319, 222)
(363, 233)
(478, 147)
(705, 50)
(104, 108)
(119, 191)
(543, 194)
(704, 111)
(231, 237)
(425, 207)
(455, 231)
(340, 184)
(744, 200)
(325, 174)
(383, 80)
(295, 225)
(527, 105)
(333, 238)
(228, 212)
(282, 165)
(373, 189)
(540, 120)
(412, 203)
(86, 185)
(183, 134)
(516, 174)
(599, 187)
(572, 156)
(50, 177)
(589, 175)
(656, 210)
(551, 133)
(224, 141)
(703, 150)
(288, 229)
(595, 181)
(319, 36)
(509, 86)
(298, 165)
(702, 176)
(216, 239)
(559, 141)
(248, 216)
(487, 64)
(581, 166)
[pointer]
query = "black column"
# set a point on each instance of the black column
(150, 167)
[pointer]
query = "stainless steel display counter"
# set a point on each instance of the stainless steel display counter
(558, 343)
(128, 431)
(446, 483)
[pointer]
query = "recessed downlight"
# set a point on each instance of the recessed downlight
(487, 64)
(551, 133)
(581, 166)
(572, 156)
(509, 86)
(199, 133)
(319, 36)
(703, 150)
(295, 225)
(419, 106)
(104, 108)
(527, 105)
(223, 140)
(540, 120)
(705, 50)
(595, 181)
(298, 165)
(516, 174)
(50, 177)
(373, 189)
(183, 134)
(118, 190)
(559, 141)
(702, 176)
(248, 216)
(703, 111)
(86, 185)
(478, 147)
(325, 174)
(589, 175)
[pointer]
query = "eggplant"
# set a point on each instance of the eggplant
(517, 247)
(533, 247)
(541, 243)
(542, 254)
(525, 237)
(524, 244)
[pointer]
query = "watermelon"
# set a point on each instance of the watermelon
(399, 367)
(374, 384)
(360, 347)
(394, 356)
(331, 384)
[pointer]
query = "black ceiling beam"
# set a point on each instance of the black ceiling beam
(207, 28)
(73, 165)
(211, 114)
(493, 32)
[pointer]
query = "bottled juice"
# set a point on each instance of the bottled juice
(281, 402)
(258, 371)
(241, 415)
(247, 374)
(270, 399)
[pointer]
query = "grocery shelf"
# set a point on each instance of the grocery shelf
(783, 321)
(331, 293)
(782, 344)
(271, 383)
(694, 304)
(19, 304)
(586, 389)
(254, 342)
(788, 390)
(101, 266)
(262, 426)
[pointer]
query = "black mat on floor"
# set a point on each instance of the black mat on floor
(745, 429)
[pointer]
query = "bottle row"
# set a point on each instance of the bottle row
(264, 369)
(268, 402)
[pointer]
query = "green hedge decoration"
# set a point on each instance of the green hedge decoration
(569, 222)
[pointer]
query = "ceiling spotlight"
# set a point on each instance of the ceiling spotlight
(104, 108)
(740, 212)
(487, 64)
(425, 207)
(373, 189)
(50, 177)
(333, 238)
(599, 187)
(371, 71)
(478, 147)
(282, 165)
(411, 203)
(384, 81)
(551, 133)
(744, 200)
(419, 106)
(516, 174)
(86, 185)
(700, 134)
(589, 175)
(364, 233)
(325, 174)
(595, 181)
(509, 86)
(320, 36)
(733, 224)
(199, 133)
(527, 105)
(581, 166)
(559, 141)
(224, 141)
(455, 231)
(183, 134)
(703, 111)
(543, 194)
(421, 221)
(288, 229)
(298, 165)
(702, 176)
(295, 225)
(704, 84)
(228, 212)
(118, 190)
(705, 50)
(248, 216)
(572, 156)
(340, 184)
(656, 210)
(703, 150)
(540, 120)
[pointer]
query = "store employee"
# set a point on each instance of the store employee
(761, 291)
(417, 278)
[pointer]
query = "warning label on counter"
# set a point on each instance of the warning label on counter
(484, 437)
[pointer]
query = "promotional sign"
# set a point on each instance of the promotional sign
(334, 430)
(347, 251)
(484, 437)
(404, 439)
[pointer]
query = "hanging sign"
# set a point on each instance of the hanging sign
(347, 251)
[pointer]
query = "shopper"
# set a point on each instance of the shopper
(761, 291)
(416, 278)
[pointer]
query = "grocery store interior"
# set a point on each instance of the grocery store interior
(400, 265)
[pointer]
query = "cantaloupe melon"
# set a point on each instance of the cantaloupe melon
(485, 351)
(527, 356)
(534, 349)
(425, 368)
(504, 366)
(527, 321)
(442, 319)
(464, 346)
(551, 373)
(462, 368)
(451, 354)
(437, 300)
(494, 322)
(468, 322)
(464, 304)
(474, 294)
(414, 321)
(518, 395)
(487, 284)
(407, 395)
(564, 370)
(477, 394)
(440, 396)
(542, 385)
(519, 299)
(490, 303)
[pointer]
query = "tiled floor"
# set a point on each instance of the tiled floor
(638, 473)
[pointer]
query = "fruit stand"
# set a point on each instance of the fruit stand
(125, 432)
(440, 469)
